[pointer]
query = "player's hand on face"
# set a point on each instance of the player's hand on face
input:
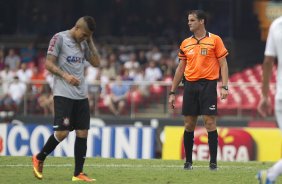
(264, 107)
(171, 101)
(89, 39)
(71, 79)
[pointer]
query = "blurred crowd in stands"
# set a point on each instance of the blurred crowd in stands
(27, 84)
(135, 47)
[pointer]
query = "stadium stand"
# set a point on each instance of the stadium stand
(244, 92)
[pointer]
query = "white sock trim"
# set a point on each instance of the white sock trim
(56, 138)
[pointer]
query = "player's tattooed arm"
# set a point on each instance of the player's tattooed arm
(52, 67)
(92, 54)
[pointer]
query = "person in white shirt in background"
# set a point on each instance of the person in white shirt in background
(14, 95)
(154, 54)
(273, 51)
(6, 77)
(12, 60)
(24, 73)
(153, 73)
(132, 65)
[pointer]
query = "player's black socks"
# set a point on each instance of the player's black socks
(188, 145)
(213, 143)
(80, 148)
(50, 145)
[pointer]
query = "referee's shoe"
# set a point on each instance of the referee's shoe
(188, 166)
(213, 167)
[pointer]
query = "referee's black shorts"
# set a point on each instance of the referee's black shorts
(200, 98)
(71, 114)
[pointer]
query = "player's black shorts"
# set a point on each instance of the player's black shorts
(200, 98)
(71, 114)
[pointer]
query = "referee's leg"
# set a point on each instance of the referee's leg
(188, 137)
(210, 125)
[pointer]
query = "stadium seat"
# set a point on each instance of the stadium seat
(156, 92)
(135, 99)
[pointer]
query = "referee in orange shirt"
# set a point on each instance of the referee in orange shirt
(201, 58)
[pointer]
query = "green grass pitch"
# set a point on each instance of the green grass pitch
(126, 171)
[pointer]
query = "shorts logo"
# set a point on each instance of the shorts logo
(212, 107)
(204, 51)
(66, 121)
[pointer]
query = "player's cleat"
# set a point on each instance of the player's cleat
(82, 177)
(262, 177)
(188, 166)
(37, 167)
(213, 167)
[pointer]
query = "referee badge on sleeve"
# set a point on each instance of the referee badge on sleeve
(204, 51)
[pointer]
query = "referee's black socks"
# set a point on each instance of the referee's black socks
(213, 143)
(50, 145)
(80, 148)
(188, 145)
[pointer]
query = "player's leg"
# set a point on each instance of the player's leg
(208, 101)
(52, 143)
(61, 127)
(190, 110)
(188, 139)
(276, 169)
(81, 117)
(121, 105)
(210, 125)
(108, 101)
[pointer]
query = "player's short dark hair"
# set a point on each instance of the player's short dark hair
(90, 22)
(201, 15)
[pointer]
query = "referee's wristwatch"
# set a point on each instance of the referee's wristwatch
(225, 87)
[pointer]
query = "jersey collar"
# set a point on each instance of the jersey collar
(207, 35)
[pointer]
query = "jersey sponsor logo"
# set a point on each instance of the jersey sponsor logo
(204, 51)
(74, 59)
(70, 46)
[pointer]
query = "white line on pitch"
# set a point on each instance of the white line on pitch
(117, 165)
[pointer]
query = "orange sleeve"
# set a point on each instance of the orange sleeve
(181, 55)
(220, 50)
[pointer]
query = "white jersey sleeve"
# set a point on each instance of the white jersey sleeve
(271, 42)
(55, 45)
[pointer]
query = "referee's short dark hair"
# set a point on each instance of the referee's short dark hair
(201, 15)
(90, 22)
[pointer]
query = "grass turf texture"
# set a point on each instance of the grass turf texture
(125, 171)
